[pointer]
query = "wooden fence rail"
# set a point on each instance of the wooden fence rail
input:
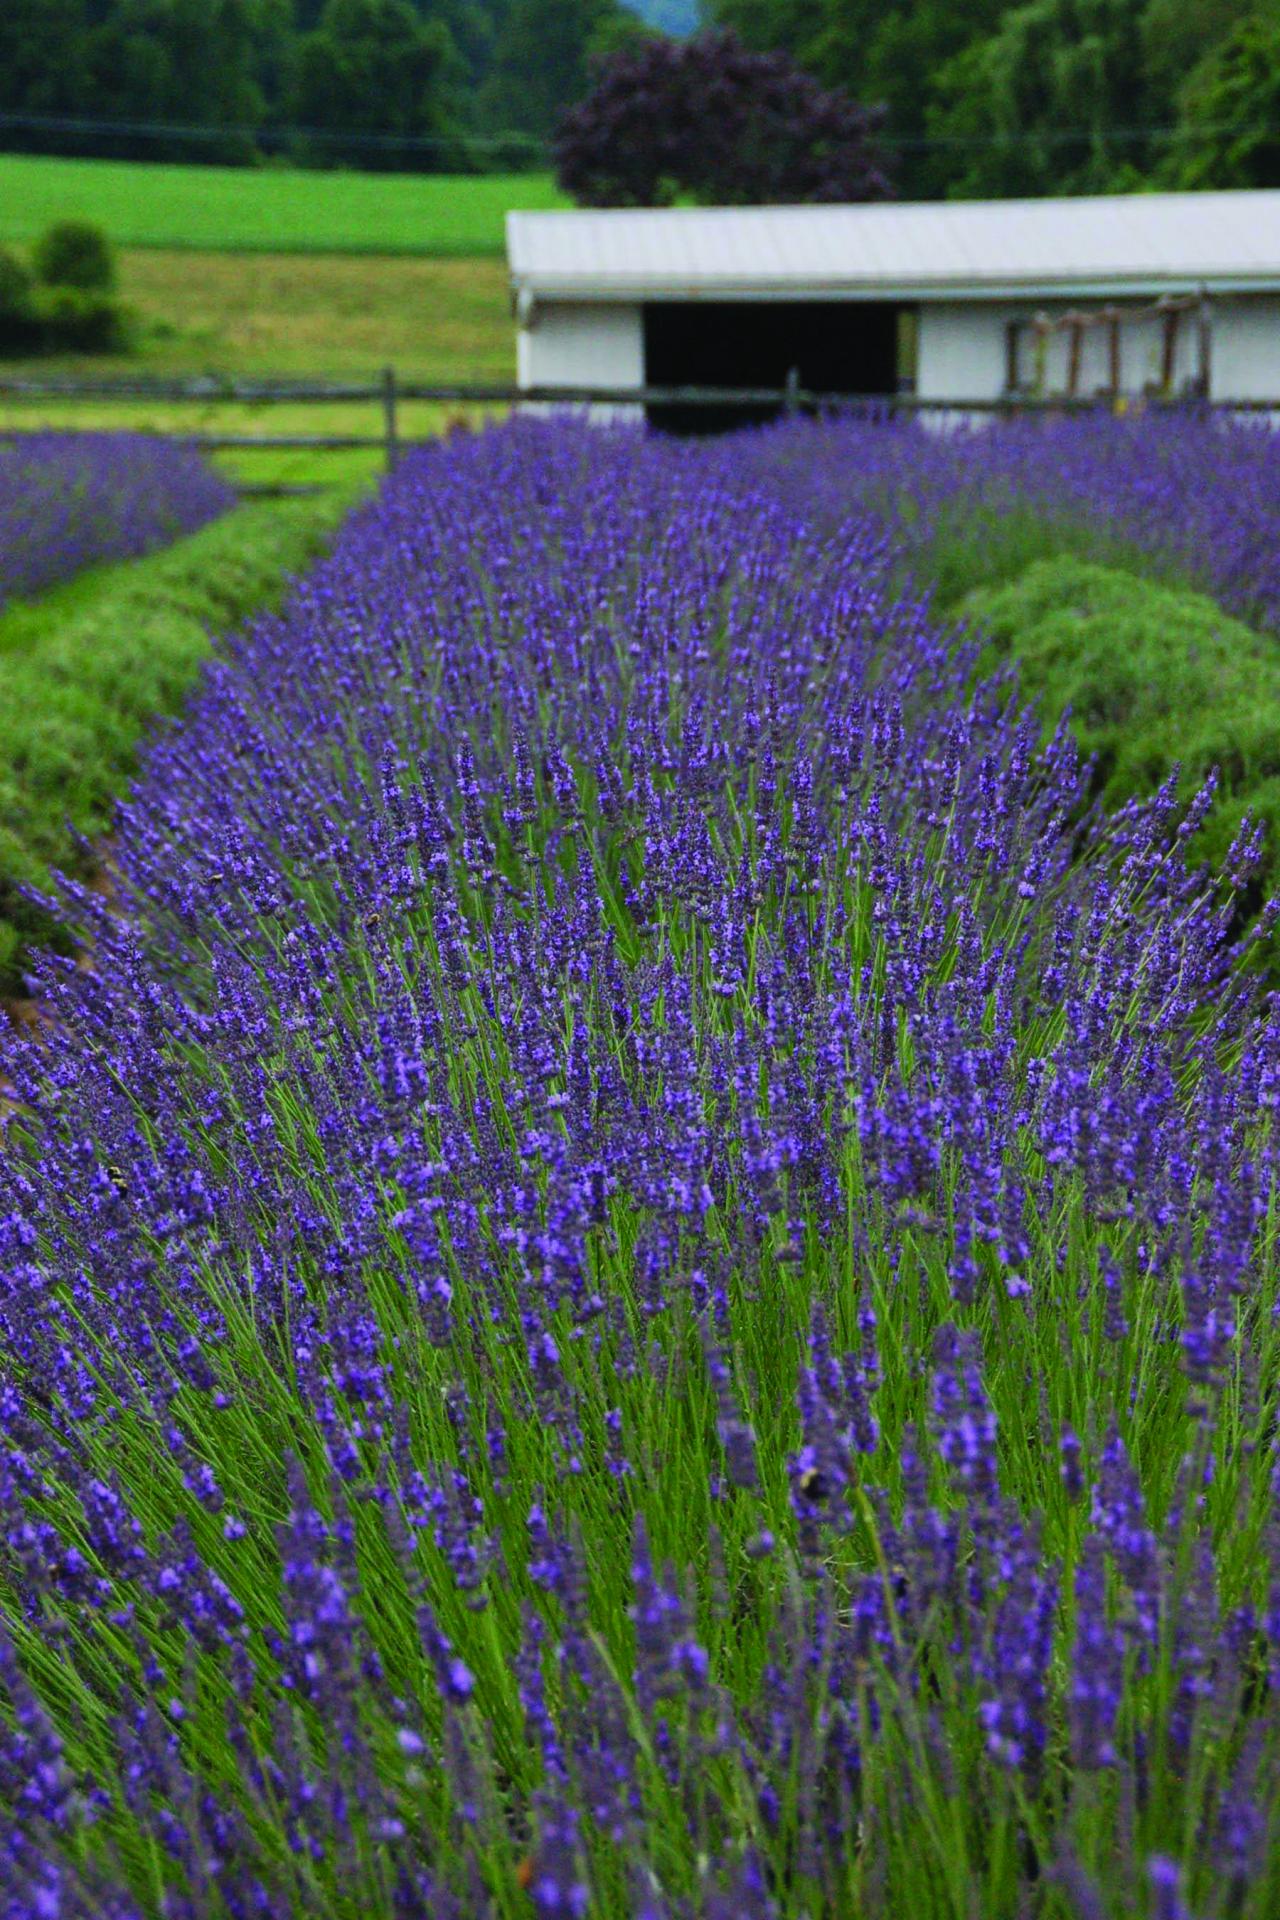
(389, 393)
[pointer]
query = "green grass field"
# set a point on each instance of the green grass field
(254, 273)
(273, 210)
(312, 317)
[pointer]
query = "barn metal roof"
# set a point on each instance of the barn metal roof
(977, 249)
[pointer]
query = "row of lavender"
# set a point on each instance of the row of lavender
(643, 1278)
(1189, 486)
(68, 501)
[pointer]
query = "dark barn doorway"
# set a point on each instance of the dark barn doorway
(838, 346)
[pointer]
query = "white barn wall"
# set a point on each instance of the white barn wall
(1246, 349)
(589, 344)
(961, 352)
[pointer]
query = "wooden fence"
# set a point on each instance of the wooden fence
(388, 393)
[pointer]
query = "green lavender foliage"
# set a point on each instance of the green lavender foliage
(1156, 676)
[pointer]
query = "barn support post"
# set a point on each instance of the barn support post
(1204, 333)
(1113, 351)
(390, 437)
(791, 404)
(1012, 339)
(1075, 324)
(1168, 347)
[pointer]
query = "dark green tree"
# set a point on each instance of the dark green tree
(180, 63)
(75, 253)
(1177, 35)
(1044, 104)
(979, 97)
(542, 57)
(191, 59)
(796, 27)
(42, 56)
(877, 54)
(1229, 126)
(376, 69)
(904, 49)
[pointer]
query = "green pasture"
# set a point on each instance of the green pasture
(256, 273)
(258, 316)
(267, 209)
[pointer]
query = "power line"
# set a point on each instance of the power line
(178, 130)
(1052, 135)
(463, 141)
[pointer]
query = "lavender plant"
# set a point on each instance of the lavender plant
(68, 501)
(641, 1278)
(1188, 488)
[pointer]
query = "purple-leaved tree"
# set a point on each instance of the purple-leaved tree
(710, 119)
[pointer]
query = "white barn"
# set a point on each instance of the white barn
(954, 301)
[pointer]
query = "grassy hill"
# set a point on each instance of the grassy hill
(260, 272)
(253, 315)
(245, 209)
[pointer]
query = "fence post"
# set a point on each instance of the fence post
(791, 404)
(1012, 339)
(389, 417)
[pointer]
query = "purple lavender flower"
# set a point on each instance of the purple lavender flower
(68, 501)
(622, 1097)
(1097, 1667)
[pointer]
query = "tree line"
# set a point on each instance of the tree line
(418, 84)
(985, 99)
(965, 97)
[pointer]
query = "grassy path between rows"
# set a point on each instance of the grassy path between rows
(88, 668)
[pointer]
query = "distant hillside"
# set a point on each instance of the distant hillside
(676, 17)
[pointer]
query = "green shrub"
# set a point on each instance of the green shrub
(1155, 676)
(19, 328)
(90, 667)
(71, 321)
(73, 308)
(74, 253)
(15, 286)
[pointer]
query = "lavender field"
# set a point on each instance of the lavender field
(69, 501)
(641, 1278)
